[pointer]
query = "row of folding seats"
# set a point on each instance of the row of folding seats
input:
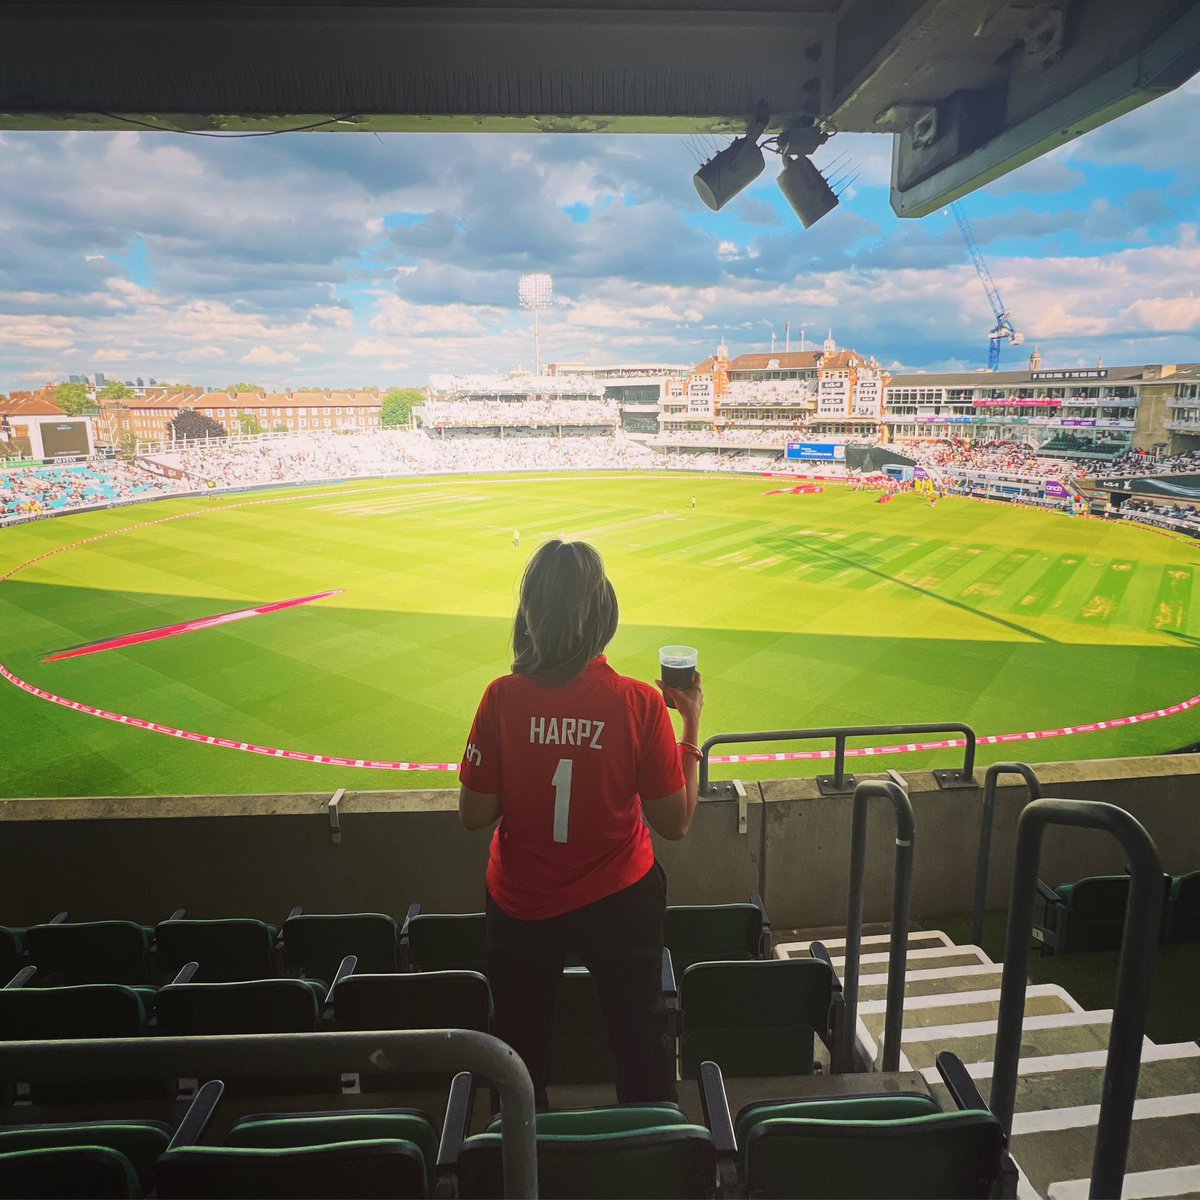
(312, 945)
(753, 1017)
(1089, 914)
(866, 1145)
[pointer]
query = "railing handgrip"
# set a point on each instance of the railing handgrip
(1139, 944)
(990, 784)
(893, 1021)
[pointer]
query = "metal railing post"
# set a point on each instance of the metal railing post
(1139, 943)
(284, 1054)
(839, 783)
(893, 1022)
(982, 862)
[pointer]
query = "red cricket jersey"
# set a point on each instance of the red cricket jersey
(570, 765)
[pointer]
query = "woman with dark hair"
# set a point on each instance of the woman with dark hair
(570, 756)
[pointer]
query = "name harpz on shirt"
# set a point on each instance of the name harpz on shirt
(565, 731)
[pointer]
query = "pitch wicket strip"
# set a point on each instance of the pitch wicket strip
(781, 756)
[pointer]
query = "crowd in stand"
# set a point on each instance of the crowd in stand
(36, 491)
(769, 391)
(1014, 458)
(1184, 517)
(1138, 462)
(515, 413)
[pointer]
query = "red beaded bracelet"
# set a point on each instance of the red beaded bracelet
(690, 749)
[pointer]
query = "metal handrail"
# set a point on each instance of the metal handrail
(893, 1021)
(839, 781)
(1139, 942)
(990, 784)
(284, 1054)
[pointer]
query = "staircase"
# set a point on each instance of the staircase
(952, 998)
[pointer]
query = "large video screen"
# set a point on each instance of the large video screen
(824, 451)
(64, 437)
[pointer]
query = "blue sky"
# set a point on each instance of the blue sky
(348, 260)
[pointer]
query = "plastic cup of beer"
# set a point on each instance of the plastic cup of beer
(678, 666)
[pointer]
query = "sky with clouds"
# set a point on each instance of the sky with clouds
(354, 260)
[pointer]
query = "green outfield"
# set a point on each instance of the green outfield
(808, 610)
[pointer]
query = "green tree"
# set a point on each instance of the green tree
(398, 405)
(72, 398)
(114, 389)
(243, 387)
(251, 425)
(190, 425)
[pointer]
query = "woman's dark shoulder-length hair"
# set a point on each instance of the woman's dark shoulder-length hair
(567, 612)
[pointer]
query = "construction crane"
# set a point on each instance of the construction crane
(1003, 329)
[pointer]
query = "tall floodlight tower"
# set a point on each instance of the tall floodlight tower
(535, 292)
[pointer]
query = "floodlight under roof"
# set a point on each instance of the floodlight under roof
(806, 189)
(731, 171)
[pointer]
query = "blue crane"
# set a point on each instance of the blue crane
(1003, 329)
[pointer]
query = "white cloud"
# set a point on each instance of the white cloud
(267, 356)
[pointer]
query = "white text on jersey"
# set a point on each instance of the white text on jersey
(565, 731)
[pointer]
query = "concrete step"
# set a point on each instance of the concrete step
(1077, 1080)
(1165, 1135)
(930, 982)
(917, 940)
(925, 959)
(1062, 1033)
(922, 1012)
(1139, 1185)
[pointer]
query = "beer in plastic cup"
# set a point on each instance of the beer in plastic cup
(677, 665)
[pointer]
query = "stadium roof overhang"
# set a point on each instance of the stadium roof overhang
(968, 89)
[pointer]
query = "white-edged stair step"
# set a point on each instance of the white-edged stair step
(1139, 1185)
(967, 1008)
(917, 940)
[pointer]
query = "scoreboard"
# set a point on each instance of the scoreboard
(817, 451)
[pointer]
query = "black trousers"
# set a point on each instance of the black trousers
(619, 939)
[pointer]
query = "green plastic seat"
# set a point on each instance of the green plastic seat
(12, 949)
(227, 950)
(712, 933)
(377, 1168)
(1185, 908)
(254, 1006)
(1090, 914)
(754, 1018)
(890, 1107)
(91, 952)
(90, 1010)
(447, 941)
(429, 1000)
(940, 1155)
(605, 1153)
(315, 944)
(70, 1172)
(139, 1142)
(279, 1131)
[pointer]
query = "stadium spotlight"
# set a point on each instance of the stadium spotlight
(733, 169)
(535, 292)
(801, 181)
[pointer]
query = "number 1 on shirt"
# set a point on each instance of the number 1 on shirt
(562, 797)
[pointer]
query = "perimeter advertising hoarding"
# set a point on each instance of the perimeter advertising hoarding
(822, 451)
(1053, 490)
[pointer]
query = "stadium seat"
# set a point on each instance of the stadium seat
(1184, 923)
(90, 952)
(89, 1010)
(122, 1165)
(717, 932)
(314, 945)
(430, 1000)
(1086, 915)
(622, 1151)
(758, 1018)
(227, 950)
(12, 951)
(386, 1153)
(895, 1145)
(444, 941)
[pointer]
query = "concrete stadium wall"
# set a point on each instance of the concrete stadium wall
(142, 857)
